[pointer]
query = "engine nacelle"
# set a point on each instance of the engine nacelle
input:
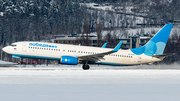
(69, 60)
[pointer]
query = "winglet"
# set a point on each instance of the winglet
(104, 46)
(117, 47)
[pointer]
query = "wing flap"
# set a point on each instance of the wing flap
(88, 58)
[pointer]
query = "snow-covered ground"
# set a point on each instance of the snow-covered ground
(71, 83)
(78, 76)
(174, 66)
(6, 64)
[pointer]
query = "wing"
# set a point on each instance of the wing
(96, 57)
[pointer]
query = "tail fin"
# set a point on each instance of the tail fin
(157, 44)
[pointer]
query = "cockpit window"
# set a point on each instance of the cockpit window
(13, 45)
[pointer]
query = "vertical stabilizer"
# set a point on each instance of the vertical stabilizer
(156, 45)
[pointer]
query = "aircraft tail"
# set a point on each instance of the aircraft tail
(156, 45)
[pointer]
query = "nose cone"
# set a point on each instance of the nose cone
(5, 49)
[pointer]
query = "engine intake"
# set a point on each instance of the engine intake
(69, 60)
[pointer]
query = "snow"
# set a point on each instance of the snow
(146, 30)
(5, 62)
(97, 6)
(100, 83)
(108, 7)
(1, 14)
(139, 20)
(131, 32)
(79, 76)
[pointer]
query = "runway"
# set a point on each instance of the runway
(79, 76)
(97, 84)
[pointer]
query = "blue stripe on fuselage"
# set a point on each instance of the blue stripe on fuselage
(37, 57)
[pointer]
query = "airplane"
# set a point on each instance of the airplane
(151, 52)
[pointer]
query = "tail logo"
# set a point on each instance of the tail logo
(150, 49)
(157, 44)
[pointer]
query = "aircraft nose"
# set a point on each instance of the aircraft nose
(5, 49)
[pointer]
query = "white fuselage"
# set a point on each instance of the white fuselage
(122, 57)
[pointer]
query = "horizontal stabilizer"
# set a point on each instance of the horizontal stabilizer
(163, 55)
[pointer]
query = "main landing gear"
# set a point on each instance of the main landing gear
(85, 67)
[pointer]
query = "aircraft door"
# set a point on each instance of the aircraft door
(24, 47)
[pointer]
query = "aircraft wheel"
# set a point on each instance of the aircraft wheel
(85, 67)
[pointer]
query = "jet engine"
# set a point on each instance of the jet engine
(69, 60)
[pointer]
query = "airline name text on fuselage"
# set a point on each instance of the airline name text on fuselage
(42, 45)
